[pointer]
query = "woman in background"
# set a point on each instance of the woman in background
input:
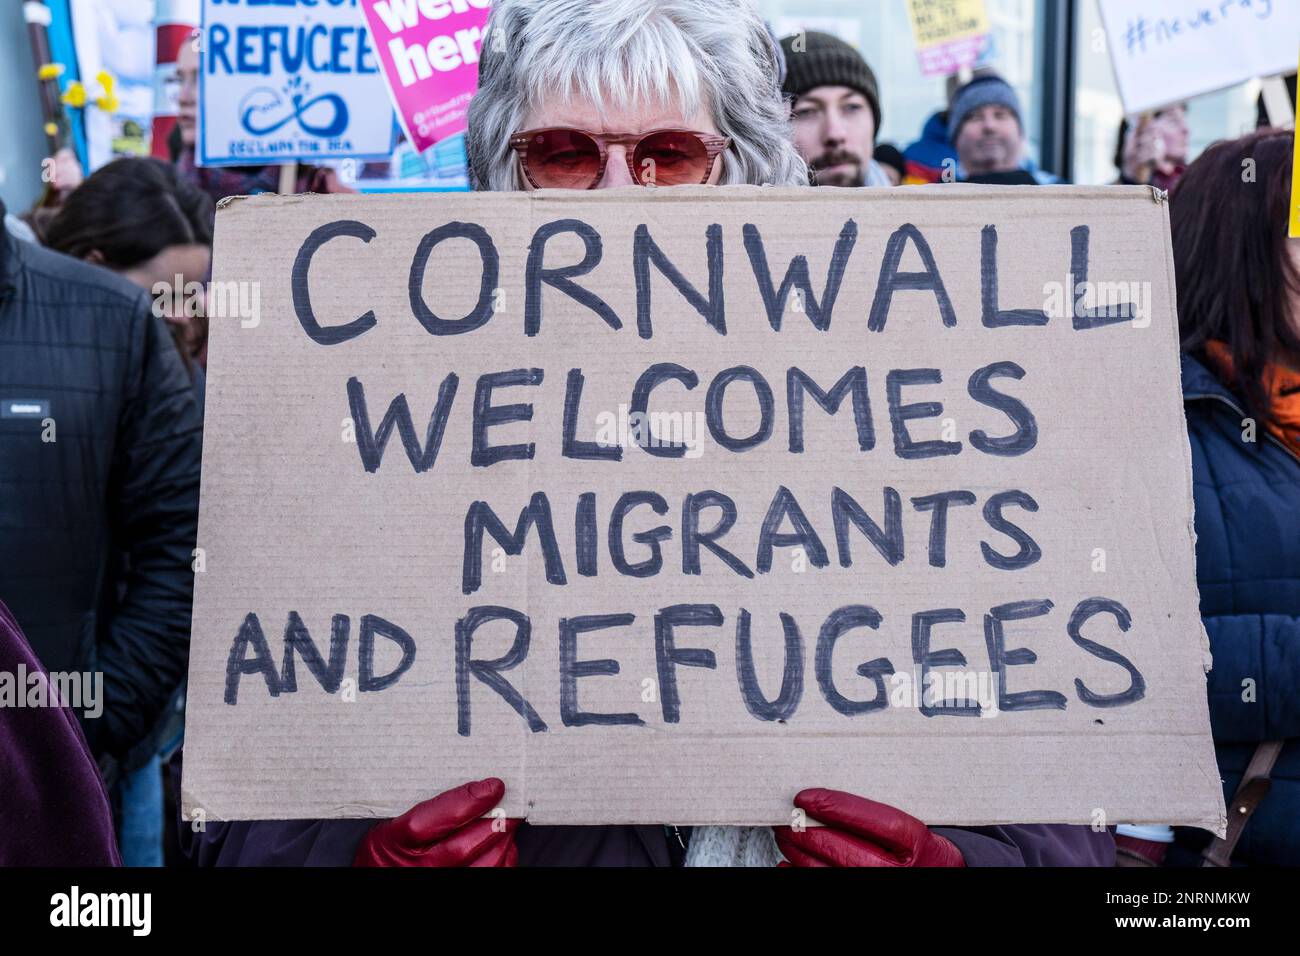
(222, 181)
(1154, 150)
(139, 218)
(1239, 315)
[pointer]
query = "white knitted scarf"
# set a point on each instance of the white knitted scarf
(733, 846)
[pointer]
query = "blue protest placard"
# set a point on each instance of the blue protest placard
(292, 81)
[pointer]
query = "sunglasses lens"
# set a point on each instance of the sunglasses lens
(562, 159)
(671, 158)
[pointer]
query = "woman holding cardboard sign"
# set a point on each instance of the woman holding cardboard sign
(596, 94)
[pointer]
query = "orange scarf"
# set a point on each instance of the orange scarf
(1282, 385)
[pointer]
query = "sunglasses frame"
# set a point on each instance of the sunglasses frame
(713, 146)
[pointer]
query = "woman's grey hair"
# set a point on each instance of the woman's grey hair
(625, 54)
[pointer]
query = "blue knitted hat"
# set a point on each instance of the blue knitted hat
(982, 91)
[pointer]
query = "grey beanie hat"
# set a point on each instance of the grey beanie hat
(982, 91)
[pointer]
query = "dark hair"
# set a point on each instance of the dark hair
(129, 211)
(887, 154)
(1229, 215)
(175, 144)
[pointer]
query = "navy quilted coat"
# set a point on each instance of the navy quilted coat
(1248, 566)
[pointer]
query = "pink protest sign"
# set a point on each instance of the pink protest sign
(429, 52)
(945, 59)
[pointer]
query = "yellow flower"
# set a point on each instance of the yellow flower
(75, 94)
(50, 71)
(107, 100)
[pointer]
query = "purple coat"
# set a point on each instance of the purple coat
(53, 805)
(334, 843)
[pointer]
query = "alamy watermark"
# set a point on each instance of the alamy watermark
(79, 690)
(133, 911)
(946, 689)
(1111, 299)
(217, 300)
(652, 430)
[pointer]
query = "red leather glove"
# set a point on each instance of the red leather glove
(448, 830)
(1134, 851)
(861, 832)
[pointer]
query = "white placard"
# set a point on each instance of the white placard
(1166, 51)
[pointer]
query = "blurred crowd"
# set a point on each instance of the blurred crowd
(99, 527)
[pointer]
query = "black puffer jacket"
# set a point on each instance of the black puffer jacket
(100, 435)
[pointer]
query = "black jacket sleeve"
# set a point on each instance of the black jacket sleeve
(153, 500)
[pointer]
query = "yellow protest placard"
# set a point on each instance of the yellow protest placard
(1295, 184)
(949, 33)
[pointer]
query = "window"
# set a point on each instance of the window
(882, 32)
(1098, 110)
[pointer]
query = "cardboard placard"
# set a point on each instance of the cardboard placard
(662, 505)
(289, 82)
(429, 54)
(1167, 51)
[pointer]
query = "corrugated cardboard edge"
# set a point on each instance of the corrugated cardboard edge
(1207, 658)
(1160, 197)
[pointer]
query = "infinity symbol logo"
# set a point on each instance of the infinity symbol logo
(261, 113)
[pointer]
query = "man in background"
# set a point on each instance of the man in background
(836, 110)
(985, 126)
(100, 436)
